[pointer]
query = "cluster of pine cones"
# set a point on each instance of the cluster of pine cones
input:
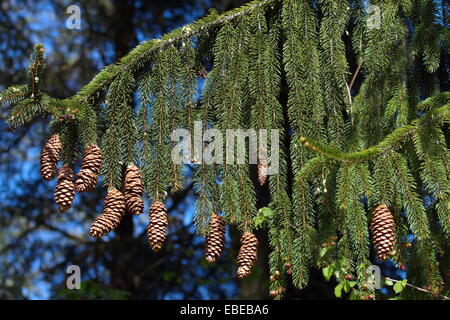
(67, 184)
(117, 203)
(215, 242)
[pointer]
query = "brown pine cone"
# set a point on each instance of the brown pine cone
(263, 168)
(133, 189)
(157, 227)
(49, 157)
(383, 231)
(216, 238)
(90, 169)
(247, 254)
(65, 188)
(134, 204)
(92, 159)
(133, 183)
(86, 181)
(113, 211)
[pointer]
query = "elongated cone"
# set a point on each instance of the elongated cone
(133, 189)
(247, 254)
(263, 167)
(65, 188)
(157, 227)
(49, 157)
(90, 169)
(383, 231)
(113, 211)
(216, 238)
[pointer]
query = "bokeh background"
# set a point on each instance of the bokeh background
(37, 243)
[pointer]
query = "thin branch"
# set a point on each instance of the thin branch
(420, 289)
(64, 233)
(352, 82)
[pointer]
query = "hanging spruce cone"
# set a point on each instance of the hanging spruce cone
(50, 157)
(65, 188)
(133, 190)
(90, 169)
(216, 238)
(263, 167)
(383, 231)
(113, 211)
(134, 205)
(247, 254)
(157, 227)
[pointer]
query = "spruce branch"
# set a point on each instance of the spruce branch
(13, 94)
(435, 101)
(35, 69)
(138, 56)
(390, 142)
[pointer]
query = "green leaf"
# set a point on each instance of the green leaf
(265, 212)
(324, 251)
(328, 272)
(338, 290)
(258, 221)
(346, 286)
(400, 285)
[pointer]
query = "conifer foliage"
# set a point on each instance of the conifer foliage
(352, 141)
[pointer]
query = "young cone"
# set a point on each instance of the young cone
(263, 167)
(113, 211)
(157, 227)
(133, 189)
(49, 157)
(216, 238)
(247, 254)
(383, 231)
(65, 188)
(90, 168)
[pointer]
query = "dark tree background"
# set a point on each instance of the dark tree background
(36, 242)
